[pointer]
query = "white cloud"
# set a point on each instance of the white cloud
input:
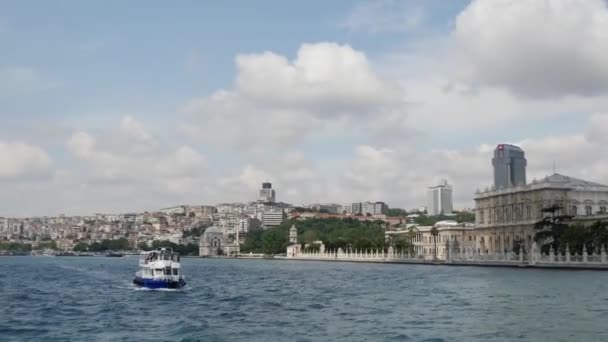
(536, 48)
(185, 162)
(135, 130)
(385, 16)
(164, 168)
(322, 75)
(81, 144)
(279, 102)
(598, 128)
(21, 161)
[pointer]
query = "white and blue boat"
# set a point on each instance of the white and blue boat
(160, 269)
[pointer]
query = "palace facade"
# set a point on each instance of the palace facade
(507, 216)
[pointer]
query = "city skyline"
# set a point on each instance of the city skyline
(135, 116)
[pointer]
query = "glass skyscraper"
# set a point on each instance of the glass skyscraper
(509, 166)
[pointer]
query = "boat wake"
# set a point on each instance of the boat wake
(138, 288)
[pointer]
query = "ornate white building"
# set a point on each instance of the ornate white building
(459, 234)
(213, 243)
(508, 215)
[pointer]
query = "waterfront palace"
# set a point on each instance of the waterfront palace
(505, 214)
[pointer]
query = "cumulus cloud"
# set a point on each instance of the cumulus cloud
(167, 168)
(279, 102)
(322, 75)
(536, 48)
(21, 161)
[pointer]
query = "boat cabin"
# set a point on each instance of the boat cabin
(160, 254)
(161, 262)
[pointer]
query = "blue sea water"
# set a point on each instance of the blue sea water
(92, 299)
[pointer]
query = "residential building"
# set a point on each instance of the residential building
(370, 208)
(178, 210)
(272, 217)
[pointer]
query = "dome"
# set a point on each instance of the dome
(212, 229)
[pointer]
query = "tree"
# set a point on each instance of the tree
(550, 229)
(309, 236)
(334, 232)
(396, 212)
(434, 232)
(465, 217)
(81, 247)
(402, 243)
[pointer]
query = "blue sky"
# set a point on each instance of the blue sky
(138, 81)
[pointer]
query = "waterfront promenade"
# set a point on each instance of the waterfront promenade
(461, 257)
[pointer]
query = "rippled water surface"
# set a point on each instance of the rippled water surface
(82, 299)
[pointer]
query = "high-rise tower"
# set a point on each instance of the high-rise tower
(509, 166)
(439, 199)
(267, 194)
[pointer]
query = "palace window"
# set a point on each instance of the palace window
(588, 210)
(603, 209)
(574, 210)
(528, 212)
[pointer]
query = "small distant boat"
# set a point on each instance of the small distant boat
(115, 255)
(160, 269)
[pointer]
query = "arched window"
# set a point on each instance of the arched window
(574, 210)
(588, 210)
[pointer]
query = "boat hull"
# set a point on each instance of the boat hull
(159, 283)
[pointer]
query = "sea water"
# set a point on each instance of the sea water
(92, 299)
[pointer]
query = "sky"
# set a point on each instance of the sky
(121, 106)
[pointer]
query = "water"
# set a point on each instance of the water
(91, 299)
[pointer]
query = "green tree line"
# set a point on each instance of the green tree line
(558, 233)
(189, 249)
(26, 247)
(333, 232)
(121, 244)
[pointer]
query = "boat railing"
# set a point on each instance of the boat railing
(153, 256)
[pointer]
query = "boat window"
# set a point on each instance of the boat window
(158, 271)
(167, 270)
(175, 271)
(167, 257)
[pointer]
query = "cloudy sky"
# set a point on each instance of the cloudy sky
(116, 106)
